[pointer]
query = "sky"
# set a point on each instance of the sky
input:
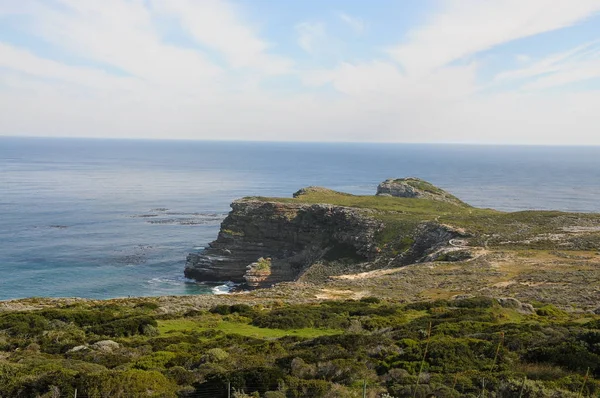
(414, 71)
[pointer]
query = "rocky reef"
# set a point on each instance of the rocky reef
(293, 235)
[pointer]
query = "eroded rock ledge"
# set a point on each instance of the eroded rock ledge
(293, 235)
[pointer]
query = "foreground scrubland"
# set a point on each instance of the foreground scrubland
(465, 347)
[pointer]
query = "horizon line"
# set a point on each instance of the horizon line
(450, 143)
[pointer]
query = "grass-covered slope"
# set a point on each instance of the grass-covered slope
(524, 229)
(546, 256)
(469, 347)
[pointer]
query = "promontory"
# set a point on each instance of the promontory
(411, 237)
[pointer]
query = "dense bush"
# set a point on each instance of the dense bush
(241, 309)
(128, 383)
(458, 345)
(23, 324)
(297, 317)
(79, 317)
(125, 327)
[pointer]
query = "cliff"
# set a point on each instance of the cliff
(295, 234)
(292, 235)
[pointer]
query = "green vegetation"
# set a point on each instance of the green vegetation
(518, 230)
(263, 264)
(240, 328)
(232, 233)
(475, 347)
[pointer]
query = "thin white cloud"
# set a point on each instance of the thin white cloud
(25, 62)
(568, 74)
(465, 27)
(357, 24)
(549, 64)
(217, 25)
(523, 58)
(310, 35)
(577, 64)
(121, 34)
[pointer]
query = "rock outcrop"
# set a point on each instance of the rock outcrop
(511, 302)
(293, 235)
(107, 346)
(411, 187)
(258, 273)
(432, 242)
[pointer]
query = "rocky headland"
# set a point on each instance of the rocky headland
(410, 229)
(296, 234)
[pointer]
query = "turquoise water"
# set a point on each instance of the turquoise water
(112, 218)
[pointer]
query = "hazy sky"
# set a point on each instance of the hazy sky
(476, 71)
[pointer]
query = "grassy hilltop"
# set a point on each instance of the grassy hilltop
(488, 227)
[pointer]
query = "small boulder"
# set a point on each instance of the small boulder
(79, 348)
(510, 302)
(106, 346)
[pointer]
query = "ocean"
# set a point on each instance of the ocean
(116, 218)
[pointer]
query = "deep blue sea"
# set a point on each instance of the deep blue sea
(112, 218)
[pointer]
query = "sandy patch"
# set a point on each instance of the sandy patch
(333, 294)
(369, 274)
(580, 229)
(504, 284)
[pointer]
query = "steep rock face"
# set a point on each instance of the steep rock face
(411, 187)
(293, 235)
